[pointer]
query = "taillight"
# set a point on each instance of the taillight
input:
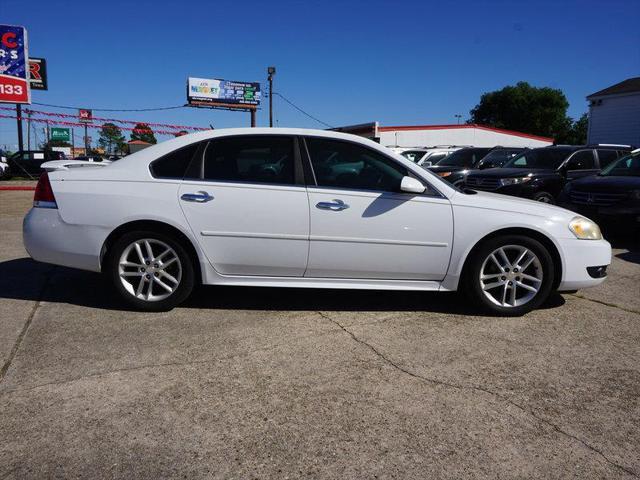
(43, 196)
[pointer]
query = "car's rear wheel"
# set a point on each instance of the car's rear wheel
(151, 271)
(510, 275)
(544, 197)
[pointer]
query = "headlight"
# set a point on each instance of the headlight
(444, 174)
(585, 229)
(514, 181)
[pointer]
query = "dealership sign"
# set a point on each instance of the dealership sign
(62, 134)
(223, 93)
(85, 115)
(38, 73)
(14, 75)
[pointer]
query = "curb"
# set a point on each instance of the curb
(16, 187)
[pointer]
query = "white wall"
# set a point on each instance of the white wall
(616, 120)
(456, 136)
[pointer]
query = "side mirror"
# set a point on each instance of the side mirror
(484, 165)
(428, 163)
(411, 185)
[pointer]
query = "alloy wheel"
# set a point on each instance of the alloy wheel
(150, 270)
(511, 276)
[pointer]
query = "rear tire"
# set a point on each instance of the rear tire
(511, 284)
(544, 197)
(151, 271)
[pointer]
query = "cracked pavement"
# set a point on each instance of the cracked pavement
(285, 383)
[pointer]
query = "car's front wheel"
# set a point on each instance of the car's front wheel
(509, 275)
(151, 271)
(544, 197)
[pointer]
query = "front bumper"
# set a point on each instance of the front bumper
(47, 238)
(577, 256)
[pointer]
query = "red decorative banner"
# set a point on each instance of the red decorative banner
(90, 125)
(99, 119)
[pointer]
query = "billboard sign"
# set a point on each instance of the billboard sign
(38, 73)
(14, 75)
(223, 93)
(62, 134)
(85, 115)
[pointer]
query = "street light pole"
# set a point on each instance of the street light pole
(271, 71)
(19, 120)
(458, 116)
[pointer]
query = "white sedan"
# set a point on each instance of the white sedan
(303, 208)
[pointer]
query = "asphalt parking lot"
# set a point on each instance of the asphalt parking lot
(282, 383)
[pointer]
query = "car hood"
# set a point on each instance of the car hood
(598, 183)
(507, 203)
(446, 168)
(510, 172)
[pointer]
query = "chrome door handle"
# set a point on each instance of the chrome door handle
(199, 197)
(336, 205)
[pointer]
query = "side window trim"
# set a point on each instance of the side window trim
(309, 174)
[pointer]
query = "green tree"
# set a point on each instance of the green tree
(576, 134)
(528, 109)
(143, 132)
(111, 138)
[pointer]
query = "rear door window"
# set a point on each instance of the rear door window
(606, 157)
(250, 158)
(174, 164)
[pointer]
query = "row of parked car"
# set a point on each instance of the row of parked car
(28, 162)
(601, 181)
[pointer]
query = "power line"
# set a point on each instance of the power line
(111, 109)
(301, 110)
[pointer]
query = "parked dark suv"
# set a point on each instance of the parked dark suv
(612, 196)
(27, 162)
(541, 173)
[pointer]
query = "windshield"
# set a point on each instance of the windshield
(413, 155)
(466, 157)
(550, 158)
(498, 157)
(628, 166)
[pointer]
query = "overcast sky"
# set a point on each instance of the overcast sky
(400, 63)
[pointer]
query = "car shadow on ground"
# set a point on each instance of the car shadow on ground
(25, 279)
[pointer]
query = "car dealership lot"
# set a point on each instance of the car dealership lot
(276, 383)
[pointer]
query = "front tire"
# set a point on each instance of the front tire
(509, 275)
(544, 197)
(151, 271)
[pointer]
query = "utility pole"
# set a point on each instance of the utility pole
(28, 129)
(48, 135)
(271, 71)
(19, 121)
(73, 142)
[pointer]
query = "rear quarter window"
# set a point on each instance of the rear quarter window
(174, 164)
